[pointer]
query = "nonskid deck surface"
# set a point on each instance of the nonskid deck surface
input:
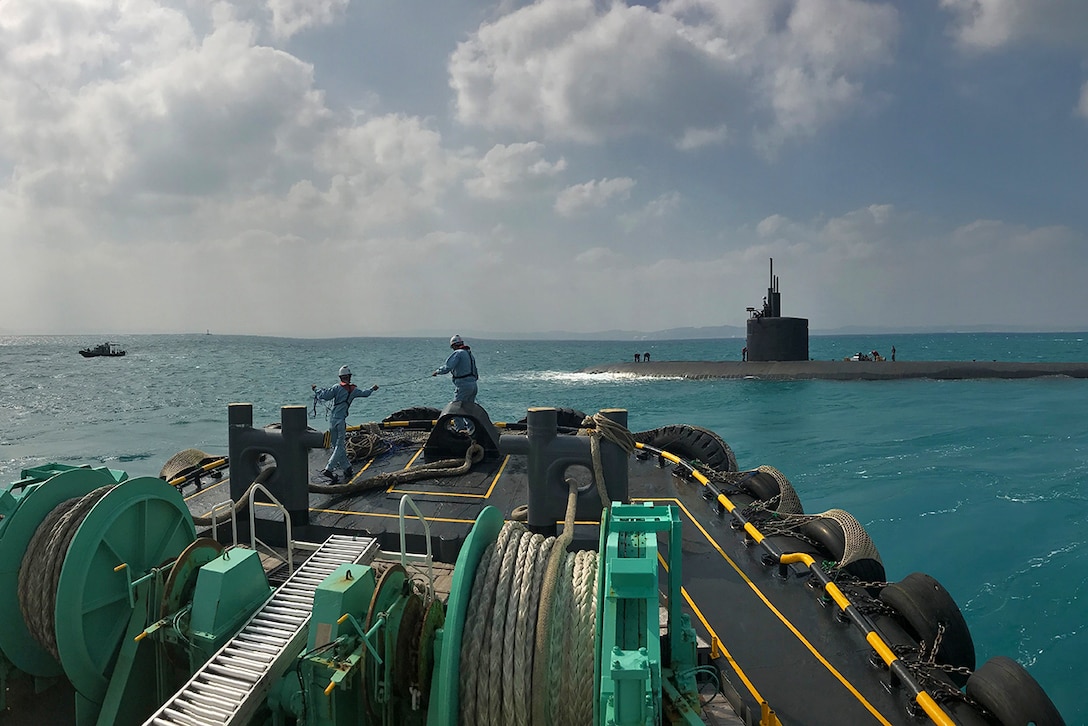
(781, 644)
(450, 504)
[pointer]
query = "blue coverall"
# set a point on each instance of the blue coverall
(462, 365)
(342, 394)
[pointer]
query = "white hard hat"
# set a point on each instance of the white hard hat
(456, 340)
(345, 371)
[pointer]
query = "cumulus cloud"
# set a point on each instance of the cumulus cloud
(387, 169)
(697, 138)
(292, 16)
(593, 194)
(684, 69)
(172, 115)
(506, 170)
(877, 265)
(656, 210)
(991, 24)
(177, 145)
(144, 147)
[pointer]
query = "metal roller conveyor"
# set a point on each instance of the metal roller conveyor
(231, 686)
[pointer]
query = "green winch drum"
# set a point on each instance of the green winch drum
(444, 688)
(142, 524)
(16, 642)
(137, 526)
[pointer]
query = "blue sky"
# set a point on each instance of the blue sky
(346, 167)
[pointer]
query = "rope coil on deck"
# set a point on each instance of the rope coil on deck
(445, 467)
(529, 631)
(39, 572)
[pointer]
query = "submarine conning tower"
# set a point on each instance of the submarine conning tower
(772, 337)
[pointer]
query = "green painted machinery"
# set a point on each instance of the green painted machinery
(103, 582)
(91, 562)
(379, 652)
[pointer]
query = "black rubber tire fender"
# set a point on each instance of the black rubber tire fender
(828, 533)
(415, 413)
(1005, 689)
(565, 418)
(922, 603)
(692, 443)
(761, 485)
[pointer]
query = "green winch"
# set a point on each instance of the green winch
(91, 562)
(105, 583)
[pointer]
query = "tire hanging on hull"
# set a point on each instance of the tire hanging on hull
(692, 443)
(766, 483)
(925, 607)
(847, 542)
(1005, 689)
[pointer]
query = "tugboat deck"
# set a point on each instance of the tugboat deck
(775, 639)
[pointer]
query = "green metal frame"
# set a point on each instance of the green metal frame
(631, 679)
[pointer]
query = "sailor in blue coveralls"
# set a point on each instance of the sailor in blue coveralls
(341, 395)
(462, 365)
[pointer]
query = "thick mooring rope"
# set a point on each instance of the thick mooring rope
(529, 632)
(445, 467)
(604, 427)
(39, 572)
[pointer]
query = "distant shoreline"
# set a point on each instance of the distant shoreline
(844, 370)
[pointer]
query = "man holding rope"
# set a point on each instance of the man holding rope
(462, 364)
(341, 395)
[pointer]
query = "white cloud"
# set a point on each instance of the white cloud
(506, 170)
(573, 69)
(292, 16)
(698, 138)
(658, 210)
(593, 194)
(991, 24)
(179, 166)
(878, 266)
(178, 118)
(386, 170)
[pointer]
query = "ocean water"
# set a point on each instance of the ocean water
(981, 484)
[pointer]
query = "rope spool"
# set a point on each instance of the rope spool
(39, 572)
(82, 575)
(504, 643)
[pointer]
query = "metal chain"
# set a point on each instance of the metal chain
(924, 669)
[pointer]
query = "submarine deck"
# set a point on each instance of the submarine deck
(781, 643)
(844, 370)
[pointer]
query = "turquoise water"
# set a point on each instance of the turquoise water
(979, 483)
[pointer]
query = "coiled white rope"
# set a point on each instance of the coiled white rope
(515, 626)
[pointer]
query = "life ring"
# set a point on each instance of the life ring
(415, 413)
(860, 558)
(565, 418)
(1005, 689)
(922, 605)
(692, 443)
